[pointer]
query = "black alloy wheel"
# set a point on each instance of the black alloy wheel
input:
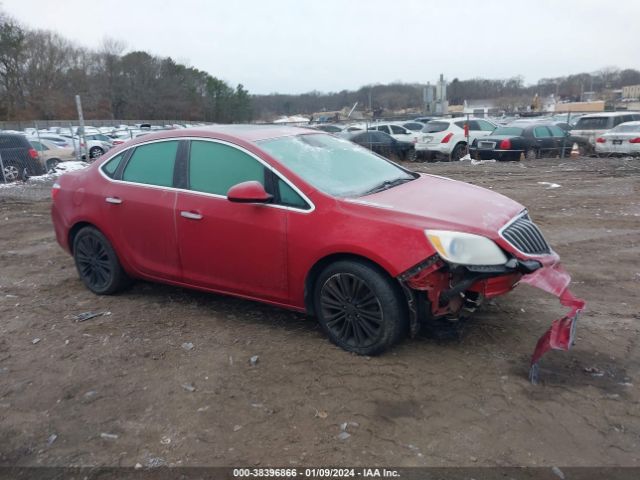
(359, 308)
(97, 263)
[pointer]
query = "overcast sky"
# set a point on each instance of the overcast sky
(294, 46)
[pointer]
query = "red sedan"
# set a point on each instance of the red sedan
(303, 220)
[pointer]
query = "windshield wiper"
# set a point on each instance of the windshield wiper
(387, 184)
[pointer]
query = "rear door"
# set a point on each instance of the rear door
(233, 247)
(139, 202)
(559, 140)
(544, 141)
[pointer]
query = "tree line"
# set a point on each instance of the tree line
(41, 72)
(509, 94)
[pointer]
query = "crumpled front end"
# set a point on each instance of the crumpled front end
(440, 289)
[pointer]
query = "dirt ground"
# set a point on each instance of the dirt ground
(120, 389)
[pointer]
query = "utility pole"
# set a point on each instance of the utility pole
(83, 140)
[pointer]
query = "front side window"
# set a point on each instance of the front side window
(152, 164)
(541, 132)
(334, 165)
(556, 131)
(397, 130)
(216, 167)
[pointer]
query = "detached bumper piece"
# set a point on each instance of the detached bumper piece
(555, 280)
(445, 289)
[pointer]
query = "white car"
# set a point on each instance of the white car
(396, 131)
(592, 126)
(621, 140)
(445, 138)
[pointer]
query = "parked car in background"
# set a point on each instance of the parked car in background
(19, 159)
(621, 140)
(589, 127)
(445, 138)
(65, 142)
(413, 126)
(97, 144)
(329, 127)
(396, 131)
(531, 141)
(51, 154)
(384, 144)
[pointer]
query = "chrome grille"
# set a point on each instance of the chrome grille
(523, 234)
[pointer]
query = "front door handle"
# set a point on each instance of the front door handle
(191, 215)
(114, 200)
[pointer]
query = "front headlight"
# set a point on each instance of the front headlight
(465, 248)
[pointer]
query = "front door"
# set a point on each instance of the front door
(232, 247)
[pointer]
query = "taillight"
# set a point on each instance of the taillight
(635, 140)
(33, 153)
(446, 138)
(601, 140)
(505, 144)
(55, 188)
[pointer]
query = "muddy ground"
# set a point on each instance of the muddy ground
(464, 402)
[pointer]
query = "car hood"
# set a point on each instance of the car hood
(440, 203)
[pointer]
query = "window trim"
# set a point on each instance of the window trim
(129, 150)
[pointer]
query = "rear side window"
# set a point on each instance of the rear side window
(216, 167)
(152, 164)
(592, 123)
(433, 127)
(13, 141)
(383, 128)
(110, 167)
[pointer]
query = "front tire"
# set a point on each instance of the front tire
(412, 155)
(359, 307)
(95, 152)
(97, 263)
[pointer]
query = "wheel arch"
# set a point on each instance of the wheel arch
(322, 263)
(73, 231)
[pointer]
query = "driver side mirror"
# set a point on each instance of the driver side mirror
(248, 192)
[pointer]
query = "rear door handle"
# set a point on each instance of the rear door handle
(114, 200)
(191, 215)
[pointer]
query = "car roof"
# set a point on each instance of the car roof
(607, 114)
(241, 132)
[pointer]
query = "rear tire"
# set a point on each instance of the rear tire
(12, 172)
(359, 308)
(97, 263)
(459, 151)
(412, 155)
(531, 154)
(52, 163)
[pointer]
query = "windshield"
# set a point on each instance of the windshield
(433, 127)
(334, 165)
(511, 131)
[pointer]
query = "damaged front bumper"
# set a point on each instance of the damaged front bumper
(447, 288)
